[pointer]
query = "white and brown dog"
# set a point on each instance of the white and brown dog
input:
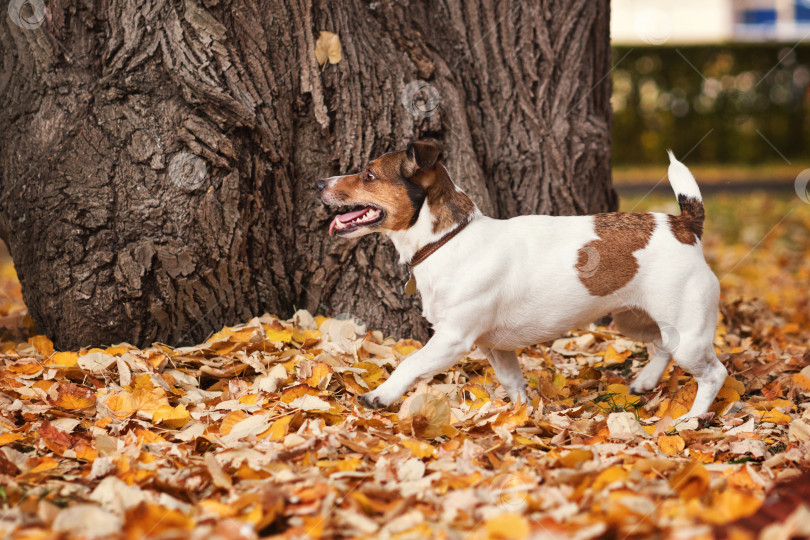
(507, 284)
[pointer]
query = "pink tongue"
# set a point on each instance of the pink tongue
(345, 218)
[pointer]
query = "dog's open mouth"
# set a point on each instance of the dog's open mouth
(351, 221)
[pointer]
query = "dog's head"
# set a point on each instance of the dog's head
(387, 195)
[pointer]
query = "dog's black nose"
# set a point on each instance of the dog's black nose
(321, 184)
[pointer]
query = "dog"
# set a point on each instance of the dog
(508, 284)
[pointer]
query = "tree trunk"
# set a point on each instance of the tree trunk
(159, 156)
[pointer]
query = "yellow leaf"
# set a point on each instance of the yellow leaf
(328, 48)
(245, 335)
(142, 381)
(671, 444)
(42, 344)
(249, 399)
(802, 381)
(222, 334)
(508, 526)
(609, 476)
(284, 335)
(116, 350)
(171, 417)
(6, 438)
(730, 505)
(776, 416)
(612, 357)
(418, 448)
(406, 346)
(279, 429)
(373, 373)
(301, 336)
(575, 457)
(63, 359)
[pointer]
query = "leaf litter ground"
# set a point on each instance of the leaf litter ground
(257, 432)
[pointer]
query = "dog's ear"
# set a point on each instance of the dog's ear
(420, 155)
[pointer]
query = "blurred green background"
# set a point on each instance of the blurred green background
(737, 112)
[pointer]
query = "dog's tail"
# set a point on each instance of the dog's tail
(688, 193)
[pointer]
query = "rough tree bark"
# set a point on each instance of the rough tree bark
(158, 157)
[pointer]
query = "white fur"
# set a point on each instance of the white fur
(681, 179)
(507, 284)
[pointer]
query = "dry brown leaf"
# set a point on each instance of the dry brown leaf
(327, 47)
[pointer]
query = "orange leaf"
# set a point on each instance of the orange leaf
(147, 400)
(691, 481)
(121, 405)
(149, 520)
(279, 429)
(73, 396)
(612, 357)
(230, 420)
(294, 392)
(730, 505)
(320, 376)
(42, 344)
(671, 445)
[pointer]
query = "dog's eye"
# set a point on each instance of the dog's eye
(369, 177)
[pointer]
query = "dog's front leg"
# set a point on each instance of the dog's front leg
(440, 353)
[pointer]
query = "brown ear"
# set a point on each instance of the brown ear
(420, 155)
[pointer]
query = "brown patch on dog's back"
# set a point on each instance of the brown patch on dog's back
(607, 264)
(688, 227)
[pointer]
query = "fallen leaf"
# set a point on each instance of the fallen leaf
(171, 417)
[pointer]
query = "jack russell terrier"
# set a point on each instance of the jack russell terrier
(503, 284)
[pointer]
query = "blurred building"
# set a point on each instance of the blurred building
(655, 22)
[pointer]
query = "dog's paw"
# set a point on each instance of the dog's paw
(518, 394)
(371, 401)
(638, 389)
(642, 386)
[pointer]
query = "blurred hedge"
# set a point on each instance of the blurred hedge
(671, 97)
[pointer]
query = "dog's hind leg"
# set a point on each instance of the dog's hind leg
(639, 325)
(507, 370)
(690, 336)
(696, 356)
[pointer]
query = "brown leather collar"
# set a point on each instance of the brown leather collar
(426, 251)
